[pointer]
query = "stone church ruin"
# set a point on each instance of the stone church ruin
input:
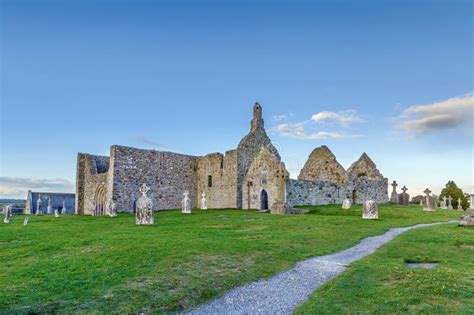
(252, 176)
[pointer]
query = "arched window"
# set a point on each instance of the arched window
(209, 181)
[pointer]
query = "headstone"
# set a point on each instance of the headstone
(203, 201)
(468, 218)
(49, 209)
(64, 210)
(421, 201)
(346, 204)
(186, 203)
(429, 202)
(459, 204)
(471, 202)
(404, 198)
(6, 214)
(144, 209)
(39, 204)
(112, 209)
(450, 206)
(394, 196)
(444, 203)
(56, 213)
(25, 221)
(371, 210)
(435, 201)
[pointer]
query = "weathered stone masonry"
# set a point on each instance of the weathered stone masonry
(251, 176)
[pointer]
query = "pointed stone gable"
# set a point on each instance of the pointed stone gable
(323, 166)
(364, 167)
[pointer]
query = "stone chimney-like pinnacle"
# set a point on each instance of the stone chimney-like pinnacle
(257, 121)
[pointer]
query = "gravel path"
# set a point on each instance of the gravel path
(282, 293)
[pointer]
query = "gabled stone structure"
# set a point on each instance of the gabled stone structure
(322, 165)
(250, 176)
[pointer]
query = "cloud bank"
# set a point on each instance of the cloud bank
(448, 114)
(343, 118)
(17, 187)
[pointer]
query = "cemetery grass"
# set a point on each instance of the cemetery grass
(382, 284)
(84, 264)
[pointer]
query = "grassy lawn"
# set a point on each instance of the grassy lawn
(85, 264)
(382, 284)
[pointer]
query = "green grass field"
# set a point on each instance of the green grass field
(85, 264)
(382, 284)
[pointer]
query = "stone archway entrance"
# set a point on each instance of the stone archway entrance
(354, 196)
(264, 200)
(99, 201)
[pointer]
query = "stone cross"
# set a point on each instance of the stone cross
(6, 214)
(203, 201)
(404, 189)
(429, 201)
(186, 203)
(144, 208)
(50, 209)
(39, 202)
(404, 198)
(25, 221)
(394, 195)
(450, 206)
(471, 203)
(144, 189)
(427, 192)
(459, 204)
(64, 211)
(56, 213)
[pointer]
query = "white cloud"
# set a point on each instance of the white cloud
(17, 187)
(343, 118)
(298, 130)
(448, 114)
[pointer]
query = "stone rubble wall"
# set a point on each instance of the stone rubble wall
(223, 170)
(323, 166)
(316, 192)
(366, 189)
(167, 174)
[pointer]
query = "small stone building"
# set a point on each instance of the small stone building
(58, 200)
(250, 176)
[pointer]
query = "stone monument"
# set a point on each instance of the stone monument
(459, 205)
(346, 204)
(25, 221)
(144, 208)
(450, 206)
(471, 202)
(394, 195)
(203, 201)
(404, 198)
(186, 203)
(6, 214)
(64, 210)
(39, 203)
(56, 213)
(444, 204)
(371, 210)
(111, 209)
(49, 209)
(429, 202)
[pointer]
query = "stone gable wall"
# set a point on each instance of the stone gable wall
(168, 175)
(223, 170)
(316, 192)
(323, 166)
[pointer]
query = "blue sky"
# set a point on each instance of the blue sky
(390, 78)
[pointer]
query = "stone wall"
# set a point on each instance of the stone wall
(365, 188)
(266, 175)
(217, 177)
(316, 192)
(168, 175)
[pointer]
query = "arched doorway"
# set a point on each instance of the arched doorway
(264, 200)
(354, 196)
(99, 201)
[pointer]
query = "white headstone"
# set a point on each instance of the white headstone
(6, 214)
(394, 196)
(450, 206)
(444, 203)
(186, 203)
(471, 202)
(346, 204)
(429, 202)
(56, 213)
(144, 210)
(39, 204)
(203, 201)
(64, 210)
(459, 204)
(111, 209)
(371, 210)
(49, 209)
(25, 221)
